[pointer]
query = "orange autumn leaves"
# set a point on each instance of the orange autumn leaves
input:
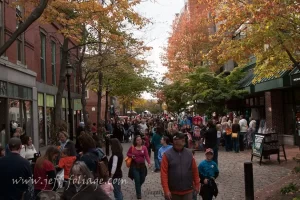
(243, 28)
(96, 15)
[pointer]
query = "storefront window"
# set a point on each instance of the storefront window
(49, 115)
(14, 115)
(27, 118)
(49, 118)
(42, 137)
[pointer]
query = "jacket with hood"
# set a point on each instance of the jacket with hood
(91, 159)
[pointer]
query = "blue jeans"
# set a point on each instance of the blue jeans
(228, 144)
(156, 161)
(236, 144)
(117, 189)
(139, 176)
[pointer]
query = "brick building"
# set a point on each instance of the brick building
(29, 77)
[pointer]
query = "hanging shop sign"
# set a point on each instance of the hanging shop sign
(295, 79)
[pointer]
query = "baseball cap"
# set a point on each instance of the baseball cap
(179, 136)
(209, 150)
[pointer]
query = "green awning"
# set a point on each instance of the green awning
(264, 84)
(295, 71)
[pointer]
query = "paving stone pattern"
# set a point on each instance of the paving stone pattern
(230, 181)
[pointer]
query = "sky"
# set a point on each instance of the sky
(161, 13)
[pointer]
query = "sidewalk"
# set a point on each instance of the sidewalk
(274, 188)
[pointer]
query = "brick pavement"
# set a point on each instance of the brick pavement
(230, 181)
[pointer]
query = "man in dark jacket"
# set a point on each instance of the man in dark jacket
(210, 137)
(15, 172)
(179, 173)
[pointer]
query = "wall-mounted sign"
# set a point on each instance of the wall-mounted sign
(295, 79)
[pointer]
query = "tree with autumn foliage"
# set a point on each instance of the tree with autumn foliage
(269, 30)
(189, 41)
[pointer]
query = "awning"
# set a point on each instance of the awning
(295, 76)
(267, 83)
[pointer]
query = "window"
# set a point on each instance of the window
(43, 57)
(86, 94)
(20, 40)
(53, 62)
(1, 23)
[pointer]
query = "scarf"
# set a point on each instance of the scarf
(62, 145)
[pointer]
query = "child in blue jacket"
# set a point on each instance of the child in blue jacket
(208, 172)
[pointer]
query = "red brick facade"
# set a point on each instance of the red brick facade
(32, 45)
(91, 106)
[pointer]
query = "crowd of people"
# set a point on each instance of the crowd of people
(81, 170)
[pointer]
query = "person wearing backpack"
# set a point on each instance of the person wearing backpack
(115, 167)
(89, 154)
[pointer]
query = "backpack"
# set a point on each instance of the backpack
(102, 172)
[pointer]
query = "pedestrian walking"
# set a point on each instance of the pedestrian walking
(210, 137)
(156, 145)
(89, 154)
(44, 171)
(14, 167)
(235, 135)
(165, 147)
(250, 133)
(179, 173)
(82, 185)
(138, 170)
(208, 171)
(243, 131)
(226, 131)
(115, 167)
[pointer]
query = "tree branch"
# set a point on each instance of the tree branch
(36, 13)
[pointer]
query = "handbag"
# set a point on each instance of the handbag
(128, 160)
(228, 131)
(234, 135)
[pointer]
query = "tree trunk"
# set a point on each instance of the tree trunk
(99, 123)
(124, 108)
(83, 102)
(106, 104)
(36, 13)
(61, 84)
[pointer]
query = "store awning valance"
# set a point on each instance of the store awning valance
(266, 83)
(295, 76)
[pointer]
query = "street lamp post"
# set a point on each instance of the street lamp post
(68, 75)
